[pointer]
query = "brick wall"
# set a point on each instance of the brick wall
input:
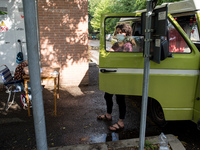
(63, 26)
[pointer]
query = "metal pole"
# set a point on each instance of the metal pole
(38, 30)
(34, 71)
(146, 74)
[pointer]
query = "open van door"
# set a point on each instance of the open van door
(172, 83)
(114, 66)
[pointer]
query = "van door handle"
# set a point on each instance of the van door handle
(106, 71)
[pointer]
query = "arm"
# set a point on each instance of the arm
(26, 71)
(114, 47)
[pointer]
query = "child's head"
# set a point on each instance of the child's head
(124, 29)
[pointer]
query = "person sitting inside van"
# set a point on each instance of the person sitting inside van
(123, 44)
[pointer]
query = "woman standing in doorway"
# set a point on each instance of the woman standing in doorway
(122, 31)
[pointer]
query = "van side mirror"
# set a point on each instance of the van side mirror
(160, 50)
(164, 49)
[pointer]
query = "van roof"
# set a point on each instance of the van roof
(179, 7)
(184, 6)
(176, 7)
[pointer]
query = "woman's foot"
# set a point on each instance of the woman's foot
(107, 117)
(119, 125)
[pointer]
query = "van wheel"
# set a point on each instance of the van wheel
(156, 113)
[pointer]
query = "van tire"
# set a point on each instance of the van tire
(156, 113)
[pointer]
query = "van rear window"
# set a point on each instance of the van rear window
(189, 25)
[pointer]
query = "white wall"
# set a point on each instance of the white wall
(12, 29)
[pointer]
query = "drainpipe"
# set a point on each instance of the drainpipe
(34, 71)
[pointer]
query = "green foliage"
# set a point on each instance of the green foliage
(110, 24)
(98, 7)
(140, 4)
(92, 4)
(3, 13)
(166, 1)
(90, 28)
(123, 6)
(149, 145)
(102, 7)
(98, 36)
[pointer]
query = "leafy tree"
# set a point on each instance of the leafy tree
(102, 7)
(110, 24)
(96, 8)
(140, 4)
(120, 6)
(92, 4)
(166, 1)
(123, 6)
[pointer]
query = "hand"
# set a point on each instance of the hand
(111, 50)
(26, 70)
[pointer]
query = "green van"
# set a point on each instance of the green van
(174, 84)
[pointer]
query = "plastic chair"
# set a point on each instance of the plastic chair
(12, 86)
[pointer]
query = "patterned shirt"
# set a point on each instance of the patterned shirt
(19, 71)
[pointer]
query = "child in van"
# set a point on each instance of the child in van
(122, 31)
(123, 43)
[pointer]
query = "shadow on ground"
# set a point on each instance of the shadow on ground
(76, 121)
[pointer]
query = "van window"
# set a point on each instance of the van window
(135, 41)
(189, 25)
(137, 28)
(176, 43)
(126, 35)
(130, 44)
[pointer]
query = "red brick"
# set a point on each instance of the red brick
(61, 39)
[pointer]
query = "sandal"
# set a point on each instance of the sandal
(116, 128)
(103, 118)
